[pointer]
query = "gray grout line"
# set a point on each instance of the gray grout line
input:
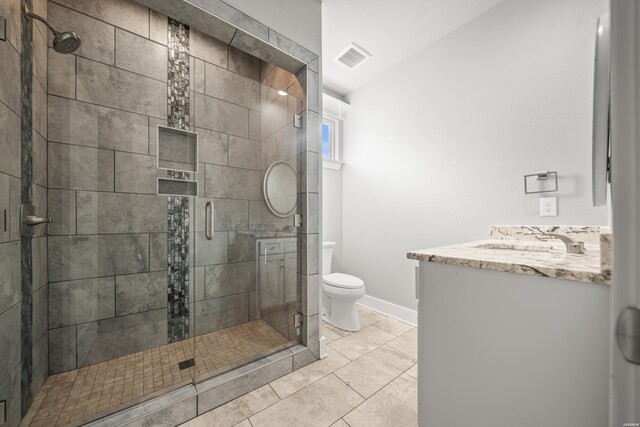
(274, 392)
(354, 390)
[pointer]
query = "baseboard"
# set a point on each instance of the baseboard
(390, 309)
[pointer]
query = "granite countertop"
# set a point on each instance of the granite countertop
(524, 250)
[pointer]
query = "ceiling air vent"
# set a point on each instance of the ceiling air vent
(353, 56)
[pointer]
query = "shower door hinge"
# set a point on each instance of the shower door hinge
(297, 121)
(297, 323)
(297, 220)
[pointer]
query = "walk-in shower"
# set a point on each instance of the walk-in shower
(178, 263)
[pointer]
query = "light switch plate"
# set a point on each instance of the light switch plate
(548, 206)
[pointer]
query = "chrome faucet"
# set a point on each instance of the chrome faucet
(573, 247)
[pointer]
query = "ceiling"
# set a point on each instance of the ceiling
(391, 31)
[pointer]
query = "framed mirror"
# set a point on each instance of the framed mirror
(281, 189)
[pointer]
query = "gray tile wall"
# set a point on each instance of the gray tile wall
(94, 127)
(107, 248)
(22, 364)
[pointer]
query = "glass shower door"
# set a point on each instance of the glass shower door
(247, 274)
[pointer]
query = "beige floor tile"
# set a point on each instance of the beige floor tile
(331, 350)
(393, 326)
(375, 370)
(197, 422)
(337, 331)
(395, 405)
(413, 372)
(329, 334)
(407, 343)
(311, 373)
(361, 343)
(340, 423)
(369, 317)
(245, 423)
(318, 405)
(237, 410)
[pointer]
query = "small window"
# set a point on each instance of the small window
(326, 140)
(330, 138)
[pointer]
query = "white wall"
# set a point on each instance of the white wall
(299, 20)
(332, 214)
(436, 149)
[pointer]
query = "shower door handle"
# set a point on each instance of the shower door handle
(209, 214)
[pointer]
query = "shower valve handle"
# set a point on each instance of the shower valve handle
(32, 220)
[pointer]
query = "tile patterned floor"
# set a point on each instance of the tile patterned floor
(82, 393)
(368, 380)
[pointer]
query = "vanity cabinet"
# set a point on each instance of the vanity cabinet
(498, 349)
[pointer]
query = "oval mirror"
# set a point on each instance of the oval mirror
(281, 189)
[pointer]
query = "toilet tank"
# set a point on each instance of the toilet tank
(327, 254)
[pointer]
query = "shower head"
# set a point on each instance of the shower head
(63, 42)
(66, 42)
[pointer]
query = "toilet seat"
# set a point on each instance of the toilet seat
(341, 280)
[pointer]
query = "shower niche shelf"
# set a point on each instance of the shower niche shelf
(177, 149)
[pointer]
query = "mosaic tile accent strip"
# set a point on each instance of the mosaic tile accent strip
(80, 395)
(178, 65)
(26, 161)
(178, 75)
(178, 269)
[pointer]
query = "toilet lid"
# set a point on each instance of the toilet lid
(341, 280)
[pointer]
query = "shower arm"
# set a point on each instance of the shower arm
(39, 18)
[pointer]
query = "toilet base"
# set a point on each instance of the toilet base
(343, 315)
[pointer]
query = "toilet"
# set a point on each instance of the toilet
(339, 294)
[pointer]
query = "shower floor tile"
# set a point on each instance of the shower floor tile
(82, 394)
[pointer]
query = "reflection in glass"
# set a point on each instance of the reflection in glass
(280, 189)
